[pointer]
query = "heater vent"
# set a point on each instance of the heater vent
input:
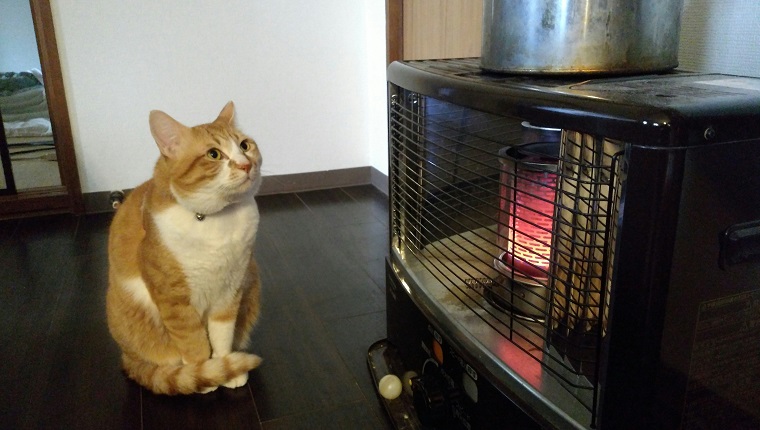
(509, 235)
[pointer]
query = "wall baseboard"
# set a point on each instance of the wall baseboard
(98, 202)
(280, 184)
(379, 180)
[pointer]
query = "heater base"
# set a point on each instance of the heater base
(449, 392)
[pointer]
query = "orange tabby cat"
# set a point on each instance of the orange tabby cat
(183, 285)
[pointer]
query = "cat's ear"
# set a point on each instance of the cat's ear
(167, 132)
(227, 115)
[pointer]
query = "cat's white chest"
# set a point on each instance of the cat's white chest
(214, 253)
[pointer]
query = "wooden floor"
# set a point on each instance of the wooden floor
(321, 255)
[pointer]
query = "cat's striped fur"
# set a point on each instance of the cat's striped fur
(184, 287)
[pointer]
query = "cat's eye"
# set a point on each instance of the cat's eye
(245, 146)
(214, 154)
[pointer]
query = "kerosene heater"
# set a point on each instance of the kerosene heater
(604, 277)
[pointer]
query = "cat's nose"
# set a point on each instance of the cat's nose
(244, 166)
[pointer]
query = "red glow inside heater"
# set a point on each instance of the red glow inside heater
(527, 366)
(529, 229)
(527, 206)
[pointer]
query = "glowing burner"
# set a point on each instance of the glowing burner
(528, 186)
(529, 229)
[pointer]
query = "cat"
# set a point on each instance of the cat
(183, 292)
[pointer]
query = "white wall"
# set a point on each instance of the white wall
(377, 114)
(721, 36)
(307, 79)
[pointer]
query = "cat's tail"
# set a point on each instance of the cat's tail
(190, 378)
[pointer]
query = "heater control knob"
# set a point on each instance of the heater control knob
(434, 399)
(429, 399)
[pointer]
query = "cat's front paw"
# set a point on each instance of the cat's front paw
(237, 381)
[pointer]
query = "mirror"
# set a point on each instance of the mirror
(23, 103)
(38, 172)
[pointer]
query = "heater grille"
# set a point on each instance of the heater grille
(520, 259)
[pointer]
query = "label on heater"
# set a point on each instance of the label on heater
(723, 387)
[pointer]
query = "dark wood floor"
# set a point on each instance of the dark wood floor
(321, 255)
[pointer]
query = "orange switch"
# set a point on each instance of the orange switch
(437, 352)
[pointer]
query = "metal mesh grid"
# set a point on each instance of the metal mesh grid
(447, 203)
(586, 209)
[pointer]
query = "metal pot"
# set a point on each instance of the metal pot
(590, 36)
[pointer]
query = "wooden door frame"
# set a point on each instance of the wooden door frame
(394, 19)
(403, 43)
